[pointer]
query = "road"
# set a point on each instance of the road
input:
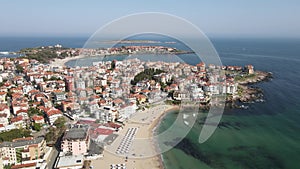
(52, 159)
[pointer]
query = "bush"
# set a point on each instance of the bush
(147, 74)
(37, 127)
(13, 134)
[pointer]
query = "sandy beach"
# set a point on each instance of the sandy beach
(142, 153)
(61, 62)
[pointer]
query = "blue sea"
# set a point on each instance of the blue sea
(264, 136)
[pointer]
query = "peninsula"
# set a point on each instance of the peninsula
(46, 54)
(89, 111)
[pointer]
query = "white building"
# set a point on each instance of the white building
(107, 114)
(69, 162)
(53, 115)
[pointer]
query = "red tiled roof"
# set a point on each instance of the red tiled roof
(113, 125)
(37, 118)
(103, 131)
(3, 107)
(52, 112)
(16, 119)
(25, 138)
(23, 165)
(33, 91)
(39, 95)
(20, 111)
(140, 96)
(118, 101)
(3, 115)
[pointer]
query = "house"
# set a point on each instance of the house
(38, 119)
(107, 114)
(249, 69)
(18, 106)
(97, 89)
(3, 97)
(231, 88)
(69, 105)
(177, 95)
(3, 119)
(4, 109)
(23, 150)
(52, 115)
(174, 86)
(93, 107)
(118, 102)
(23, 113)
(76, 140)
(18, 122)
(39, 96)
(58, 95)
(201, 66)
(45, 102)
(141, 98)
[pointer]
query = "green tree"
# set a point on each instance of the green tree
(113, 65)
(34, 111)
(19, 68)
(147, 74)
(51, 135)
(37, 127)
(60, 122)
(7, 166)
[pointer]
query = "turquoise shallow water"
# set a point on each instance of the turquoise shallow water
(264, 136)
(244, 141)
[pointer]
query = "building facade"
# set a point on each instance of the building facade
(23, 150)
(76, 140)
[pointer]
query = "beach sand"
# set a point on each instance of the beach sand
(61, 62)
(142, 153)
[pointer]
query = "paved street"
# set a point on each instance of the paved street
(52, 158)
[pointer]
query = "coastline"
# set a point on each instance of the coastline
(146, 129)
(153, 129)
(61, 62)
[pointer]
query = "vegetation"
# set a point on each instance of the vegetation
(13, 134)
(55, 133)
(2, 83)
(51, 135)
(34, 111)
(173, 102)
(113, 65)
(37, 127)
(43, 55)
(147, 74)
(239, 91)
(244, 77)
(60, 122)
(7, 166)
(19, 68)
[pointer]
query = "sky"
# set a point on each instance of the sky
(216, 18)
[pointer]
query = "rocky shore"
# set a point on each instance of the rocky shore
(247, 92)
